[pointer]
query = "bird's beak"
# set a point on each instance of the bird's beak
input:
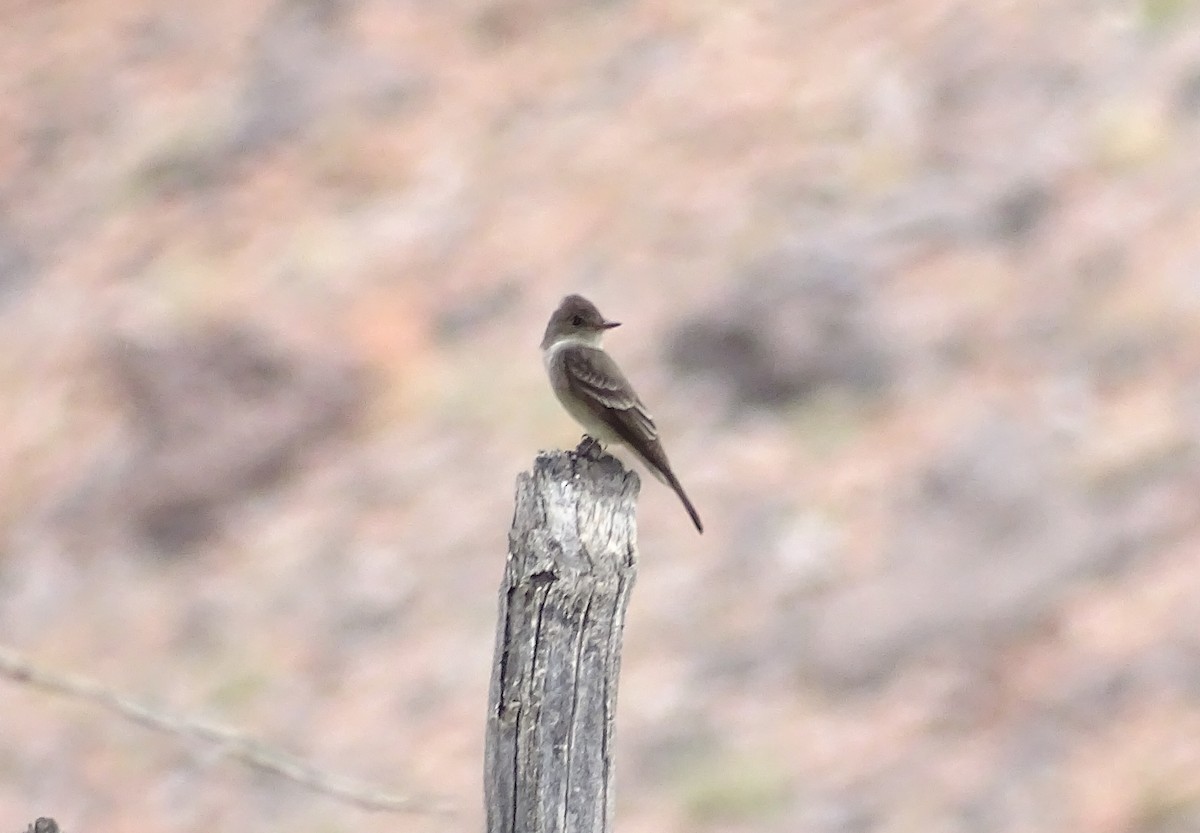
(608, 325)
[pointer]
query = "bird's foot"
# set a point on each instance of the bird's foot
(589, 446)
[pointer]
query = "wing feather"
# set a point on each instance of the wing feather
(594, 376)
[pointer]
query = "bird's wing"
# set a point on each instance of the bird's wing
(594, 377)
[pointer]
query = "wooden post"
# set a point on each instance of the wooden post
(572, 559)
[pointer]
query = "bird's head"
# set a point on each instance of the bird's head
(576, 320)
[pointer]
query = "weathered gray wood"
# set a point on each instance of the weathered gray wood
(572, 560)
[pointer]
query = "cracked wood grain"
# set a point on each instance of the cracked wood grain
(571, 565)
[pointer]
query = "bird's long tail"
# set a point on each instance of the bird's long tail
(657, 464)
(673, 482)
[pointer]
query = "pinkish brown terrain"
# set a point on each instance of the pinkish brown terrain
(912, 287)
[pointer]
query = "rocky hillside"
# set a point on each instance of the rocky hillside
(912, 288)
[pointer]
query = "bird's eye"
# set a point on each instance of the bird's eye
(577, 320)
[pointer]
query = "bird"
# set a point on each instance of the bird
(594, 391)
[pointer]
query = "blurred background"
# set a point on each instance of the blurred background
(912, 288)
